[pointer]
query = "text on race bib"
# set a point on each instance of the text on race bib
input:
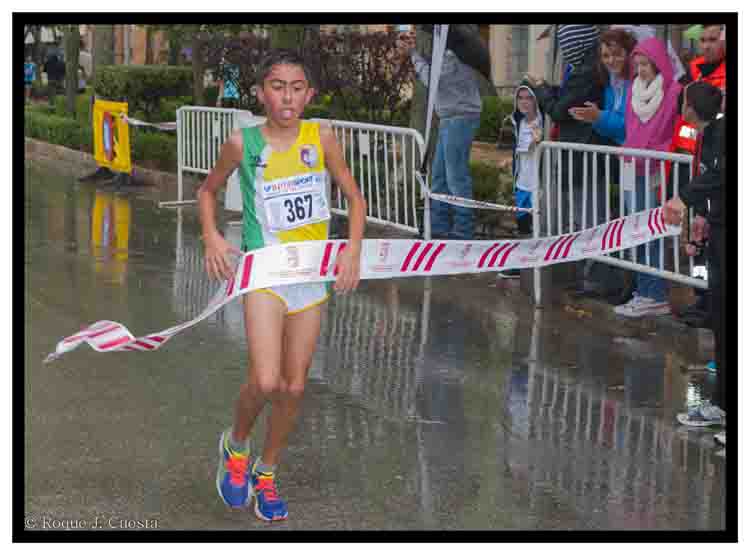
(295, 201)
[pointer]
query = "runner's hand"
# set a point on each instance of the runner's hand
(217, 257)
(349, 273)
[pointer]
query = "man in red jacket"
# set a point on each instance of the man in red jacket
(711, 68)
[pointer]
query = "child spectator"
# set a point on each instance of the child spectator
(528, 130)
(650, 116)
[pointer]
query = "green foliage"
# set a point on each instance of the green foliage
(143, 87)
(492, 184)
(494, 110)
(58, 130)
(157, 149)
(83, 106)
(317, 111)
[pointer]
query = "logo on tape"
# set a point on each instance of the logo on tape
(292, 257)
(465, 251)
(383, 250)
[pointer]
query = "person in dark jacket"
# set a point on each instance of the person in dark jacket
(55, 70)
(579, 49)
(701, 106)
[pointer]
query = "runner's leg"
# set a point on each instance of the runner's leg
(301, 333)
(264, 325)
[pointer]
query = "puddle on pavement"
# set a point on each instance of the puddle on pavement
(428, 411)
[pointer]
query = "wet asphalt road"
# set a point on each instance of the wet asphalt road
(442, 404)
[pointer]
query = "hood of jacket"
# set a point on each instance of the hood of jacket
(517, 116)
(656, 133)
(656, 51)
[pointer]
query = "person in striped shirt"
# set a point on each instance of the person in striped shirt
(284, 166)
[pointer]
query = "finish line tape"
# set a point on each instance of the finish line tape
(471, 203)
(463, 201)
(315, 261)
(167, 126)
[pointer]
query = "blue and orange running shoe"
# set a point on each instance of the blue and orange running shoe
(268, 505)
(233, 476)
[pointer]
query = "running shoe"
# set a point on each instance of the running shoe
(721, 437)
(233, 476)
(268, 505)
(702, 415)
(711, 367)
(643, 306)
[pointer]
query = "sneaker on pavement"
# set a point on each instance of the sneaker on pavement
(268, 505)
(702, 415)
(233, 475)
(643, 306)
(711, 367)
(721, 437)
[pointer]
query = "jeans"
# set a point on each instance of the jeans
(646, 284)
(451, 176)
(717, 281)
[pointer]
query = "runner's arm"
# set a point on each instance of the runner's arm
(348, 277)
(217, 249)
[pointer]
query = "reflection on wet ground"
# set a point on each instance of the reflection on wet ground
(432, 404)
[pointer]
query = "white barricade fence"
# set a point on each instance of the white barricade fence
(383, 160)
(602, 170)
(200, 133)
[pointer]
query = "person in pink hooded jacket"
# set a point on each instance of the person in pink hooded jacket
(650, 115)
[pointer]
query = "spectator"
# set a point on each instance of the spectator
(29, 74)
(55, 70)
(528, 131)
(459, 107)
(650, 116)
(85, 66)
(701, 107)
(579, 49)
(616, 46)
(229, 94)
(578, 46)
(710, 68)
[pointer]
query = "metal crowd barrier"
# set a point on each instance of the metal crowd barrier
(553, 217)
(382, 159)
(200, 133)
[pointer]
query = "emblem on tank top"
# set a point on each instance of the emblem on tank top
(308, 154)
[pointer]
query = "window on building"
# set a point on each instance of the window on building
(519, 52)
